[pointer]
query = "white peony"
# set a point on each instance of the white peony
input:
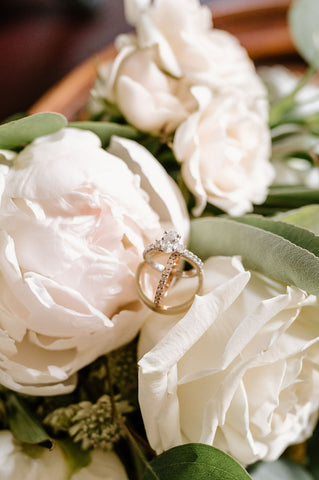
(74, 221)
(20, 461)
(224, 148)
(239, 371)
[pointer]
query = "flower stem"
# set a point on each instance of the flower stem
(125, 429)
(138, 450)
(286, 103)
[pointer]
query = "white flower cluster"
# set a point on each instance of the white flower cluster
(19, 461)
(179, 74)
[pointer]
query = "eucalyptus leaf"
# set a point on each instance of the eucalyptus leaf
(195, 461)
(105, 130)
(291, 196)
(23, 424)
(304, 27)
(295, 234)
(307, 217)
(24, 130)
(280, 470)
(261, 250)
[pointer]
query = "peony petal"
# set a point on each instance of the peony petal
(165, 197)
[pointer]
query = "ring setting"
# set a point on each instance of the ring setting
(170, 244)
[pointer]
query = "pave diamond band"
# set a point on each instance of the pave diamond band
(167, 277)
(170, 244)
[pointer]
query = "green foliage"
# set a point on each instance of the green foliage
(122, 364)
(292, 196)
(281, 251)
(23, 424)
(105, 130)
(91, 424)
(306, 217)
(195, 461)
(313, 457)
(76, 457)
(19, 132)
(304, 27)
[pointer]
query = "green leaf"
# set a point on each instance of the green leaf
(76, 457)
(291, 196)
(280, 470)
(304, 26)
(105, 130)
(195, 461)
(313, 460)
(23, 424)
(22, 131)
(295, 234)
(306, 217)
(282, 255)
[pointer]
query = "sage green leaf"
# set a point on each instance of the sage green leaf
(280, 470)
(306, 217)
(291, 196)
(262, 250)
(105, 130)
(297, 235)
(24, 130)
(195, 461)
(23, 424)
(304, 27)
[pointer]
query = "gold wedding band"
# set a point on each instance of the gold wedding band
(170, 244)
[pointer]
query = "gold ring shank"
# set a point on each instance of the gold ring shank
(170, 309)
(160, 267)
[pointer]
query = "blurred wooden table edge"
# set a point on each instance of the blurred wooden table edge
(261, 27)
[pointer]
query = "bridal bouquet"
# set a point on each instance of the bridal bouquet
(125, 355)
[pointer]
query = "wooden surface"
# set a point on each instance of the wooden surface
(260, 25)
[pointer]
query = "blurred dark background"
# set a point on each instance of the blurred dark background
(42, 40)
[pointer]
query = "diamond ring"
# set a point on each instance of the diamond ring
(171, 243)
(171, 248)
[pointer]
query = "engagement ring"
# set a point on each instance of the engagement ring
(176, 256)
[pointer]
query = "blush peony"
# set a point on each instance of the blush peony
(74, 222)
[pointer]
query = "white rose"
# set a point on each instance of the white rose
(173, 49)
(20, 461)
(239, 371)
(188, 45)
(149, 99)
(224, 148)
(74, 222)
